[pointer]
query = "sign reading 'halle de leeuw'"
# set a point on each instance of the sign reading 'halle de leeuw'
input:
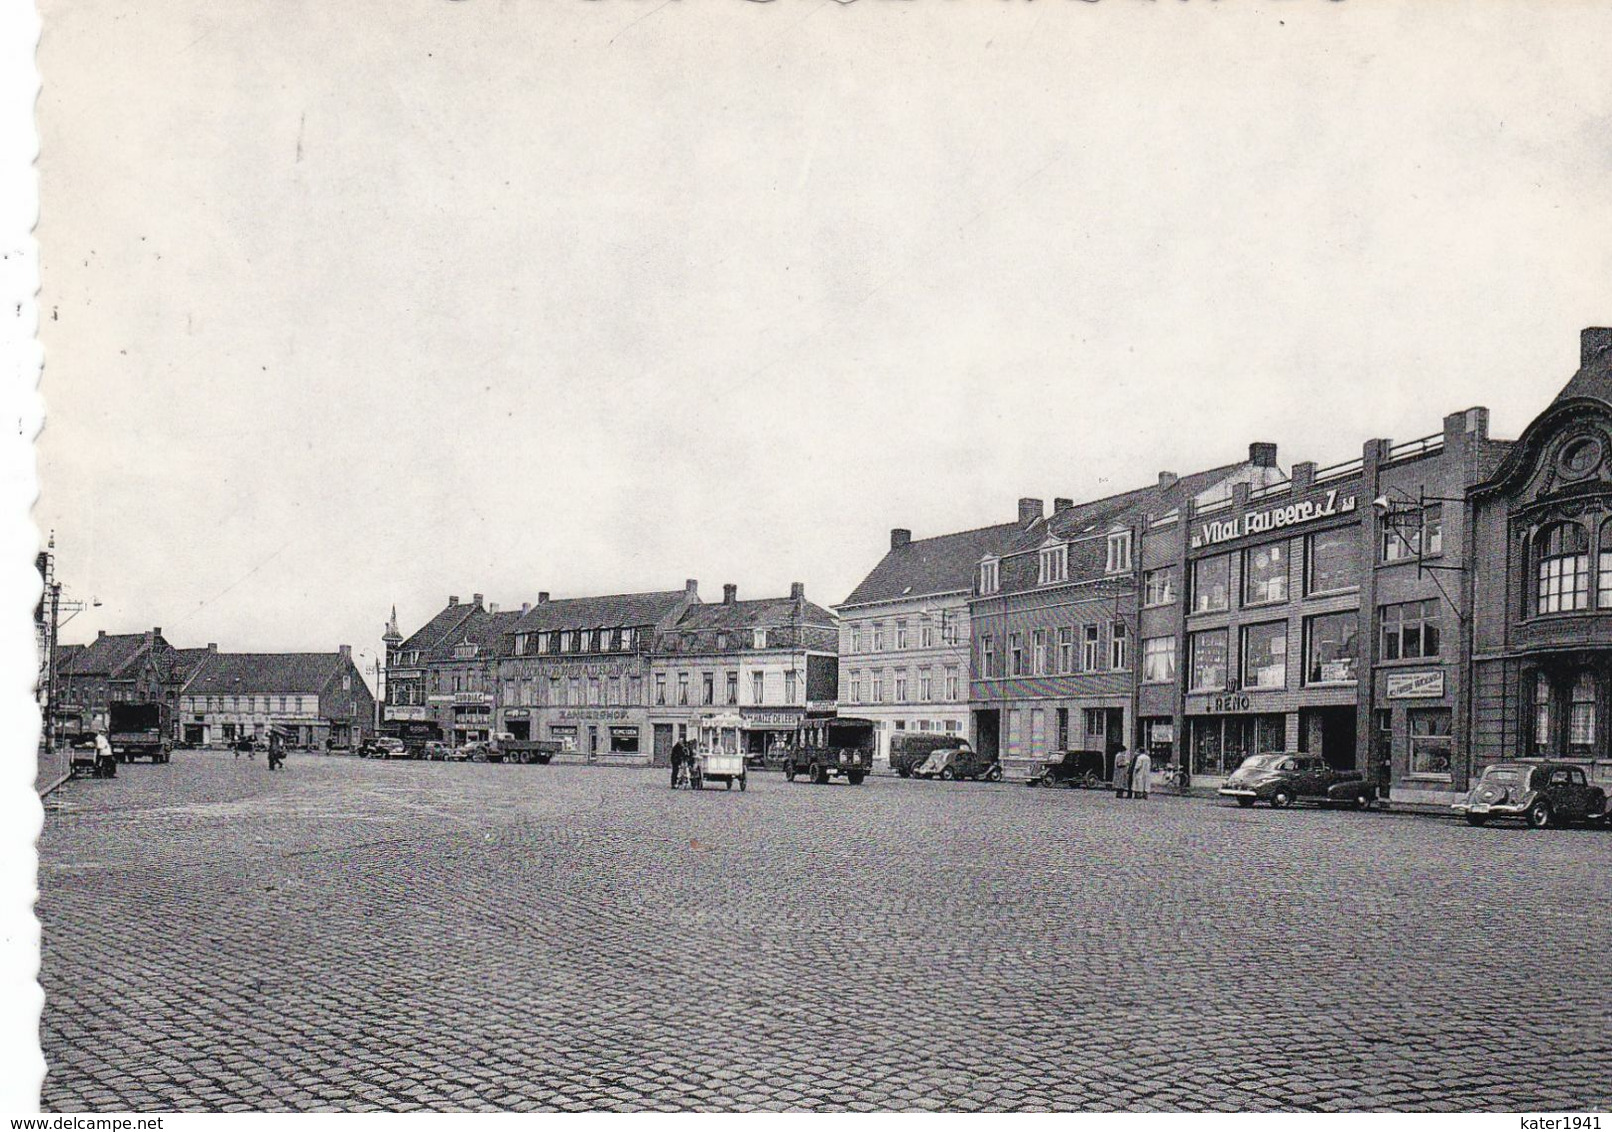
(1272, 518)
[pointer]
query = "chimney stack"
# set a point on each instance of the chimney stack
(542, 597)
(730, 593)
(493, 607)
(453, 599)
(691, 589)
(1593, 341)
(346, 651)
(100, 633)
(212, 646)
(1262, 454)
(1029, 511)
(797, 591)
(1059, 503)
(1168, 480)
(526, 607)
(477, 599)
(899, 537)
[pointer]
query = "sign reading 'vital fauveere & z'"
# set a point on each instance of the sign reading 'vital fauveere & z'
(1258, 522)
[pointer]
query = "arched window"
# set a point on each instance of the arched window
(1581, 715)
(1603, 587)
(1562, 557)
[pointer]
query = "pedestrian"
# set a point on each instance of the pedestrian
(1122, 773)
(276, 750)
(1141, 773)
(106, 763)
(679, 753)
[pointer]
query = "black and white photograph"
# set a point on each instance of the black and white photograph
(808, 556)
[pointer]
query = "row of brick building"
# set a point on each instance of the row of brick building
(1418, 611)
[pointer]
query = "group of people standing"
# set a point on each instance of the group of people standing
(1133, 774)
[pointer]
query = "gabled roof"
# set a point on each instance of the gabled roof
(107, 656)
(1096, 517)
(758, 614)
(613, 611)
(482, 629)
(943, 564)
(231, 673)
(435, 631)
(186, 662)
(65, 654)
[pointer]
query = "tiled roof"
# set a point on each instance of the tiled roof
(943, 564)
(614, 611)
(65, 655)
(757, 614)
(1098, 516)
(106, 656)
(483, 629)
(186, 662)
(270, 672)
(434, 631)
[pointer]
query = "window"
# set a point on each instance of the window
(660, 689)
(1403, 532)
(682, 689)
(1063, 729)
(1603, 597)
(953, 726)
(878, 636)
(585, 641)
(1581, 715)
(1542, 714)
(1211, 582)
(987, 655)
(733, 687)
(1410, 630)
(901, 634)
(876, 695)
(1038, 652)
(1015, 655)
(948, 630)
(1158, 586)
(1562, 552)
(593, 691)
(1208, 655)
(951, 684)
(758, 639)
(1334, 561)
(901, 686)
(758, 687)
(1331, 651)
(926, 635)
(790, 682)
(926, 686)
(856, 687)
(990, 576)
(1119, 552)
(1054, 564)
(707, 687)
(1118, 640)
(565, 640)
(576, 690)
(1265, 655)
(1265, 574)
(856, 639)
(637, 690)
(1431, 746)
(1158, 660)
(1088, 649)
(1066, 649)
(1096, 723)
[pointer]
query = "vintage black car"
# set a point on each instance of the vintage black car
(959, 762)
(1284, 777)
(911, 749)
(1541, 794)
(1083, 770)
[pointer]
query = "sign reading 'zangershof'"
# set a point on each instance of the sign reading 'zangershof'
(1258, 522)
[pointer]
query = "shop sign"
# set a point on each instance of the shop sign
(594, 713)
(1425, 684)
(624, 732)
(771, 718)
(517, 713)
(1232, 702)
(598, 670)
(472, 697)
(1272, 518)
(405, 713)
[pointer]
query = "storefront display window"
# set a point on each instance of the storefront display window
(1209, 660)
(624, 740)
(1219, 745)
(1265, 656)
(1331, 651)
(1265, 574)
(1211, 582)
(1431, 746)
(565, 736)
(1334, 561)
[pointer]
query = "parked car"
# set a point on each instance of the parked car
(1284, 777)
(435, 751)
(959, 762)
(910, 749)
(1082, 770)
(464, 752)
(1541, 794)
(384, 747)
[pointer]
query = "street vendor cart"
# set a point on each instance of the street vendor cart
(719, 757)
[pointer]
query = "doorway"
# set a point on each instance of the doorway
(988, 734)
(1330, 733)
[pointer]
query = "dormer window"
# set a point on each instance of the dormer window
(759, 639)
(990, 576)
(1054, 564)
(520, 644)
(1119, 552)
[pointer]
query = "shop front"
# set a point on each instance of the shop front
(617, 733)
(768, 731)
(472, 718)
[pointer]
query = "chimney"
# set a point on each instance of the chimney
(899, 537)
(101, 633)
(542, 597)
(346, 651)
(691, 589)
(1059, 503)
(212, 646)
(797, 591)
(1029, 511)
(1262, 454)
(156, 631)
(1167, 480)
(476, 598)
(1593, 341)
(730, 594)
(526, 607)
(493, 608)
(453, 599)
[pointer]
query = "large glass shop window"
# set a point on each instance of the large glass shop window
(1209, 660)
(1431, 746)
(1331, 649)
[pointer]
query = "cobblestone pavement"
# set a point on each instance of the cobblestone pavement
(358, 935)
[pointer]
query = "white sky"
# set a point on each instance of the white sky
(347, 305)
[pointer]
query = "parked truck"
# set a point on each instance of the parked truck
(506, 748)
(140, 731)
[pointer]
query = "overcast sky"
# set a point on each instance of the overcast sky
(370, 303)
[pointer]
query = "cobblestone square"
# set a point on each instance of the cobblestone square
(354, 935)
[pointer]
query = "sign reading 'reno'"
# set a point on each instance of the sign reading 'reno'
(1258, 522)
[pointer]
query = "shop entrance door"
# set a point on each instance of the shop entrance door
(663, 744)
(1330, 733)
(988, 734)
